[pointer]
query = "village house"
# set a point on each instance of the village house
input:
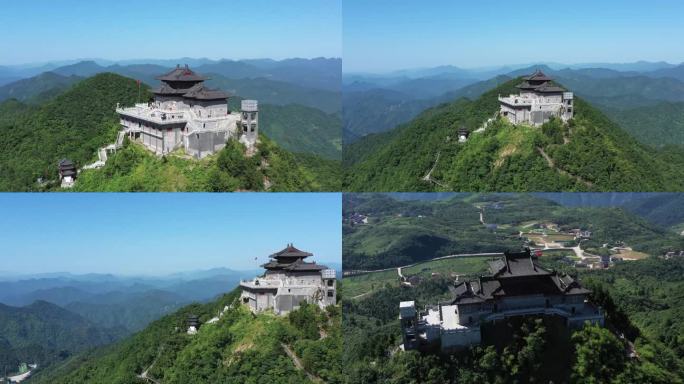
(517, 286)
(187, 114)
(538, 101)
(288, 282)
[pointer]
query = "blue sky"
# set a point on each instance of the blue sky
(44, 30)
(383, 35)
(159, 233)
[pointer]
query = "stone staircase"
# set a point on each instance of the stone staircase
(102, 152)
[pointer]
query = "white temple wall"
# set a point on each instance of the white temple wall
(307, 280)
(461, 338)
(328, 299)
(264, 301)
(205, 109)
(202, 144)
(288, 303)
(557, 99)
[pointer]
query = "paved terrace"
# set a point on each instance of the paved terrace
(515, 100)
(157, 115)
(273, 283)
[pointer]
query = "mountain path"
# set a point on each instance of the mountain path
(428, 177)
(361, 295)
(298, 364)
(464, 255)
(145, 376)
(552, 165)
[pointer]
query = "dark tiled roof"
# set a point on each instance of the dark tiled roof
(200, 92)
(165, 89)
(182, 74)
(526, 85)
(297, 265)
(538, 75)
(468, 292)
(539, 82)
(65, 163)
(549, 88)
(515, 274)
(516, 264)
(290, 251)
(301, 266)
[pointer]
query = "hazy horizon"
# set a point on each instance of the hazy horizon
(107, 61)
(511, 66)
(9, 275)
(56, 31)
(386, 35)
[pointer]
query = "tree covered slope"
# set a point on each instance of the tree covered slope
(72, 125)
(591, 153)
(44, 333)
(239, 348)
(658, 125)
(38, 88)
(301, 129)
(272, 168)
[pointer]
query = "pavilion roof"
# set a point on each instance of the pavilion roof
(290, 251)
(182, 74)
(516, 274)
(538, 75)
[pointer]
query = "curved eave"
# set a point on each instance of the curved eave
(194, 79)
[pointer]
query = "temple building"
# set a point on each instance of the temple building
(463, 134)
(186, 114)
(538, 101)
(517, 286)
(289, 281)
(67, 173)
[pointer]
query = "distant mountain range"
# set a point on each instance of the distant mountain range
(322, 73)
(127, 303)
(487, 72)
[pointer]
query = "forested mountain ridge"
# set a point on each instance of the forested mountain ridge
(237, 348)
(589, 153)
(38, 88)
(44, 333)
(659, 125)
(72, 125)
